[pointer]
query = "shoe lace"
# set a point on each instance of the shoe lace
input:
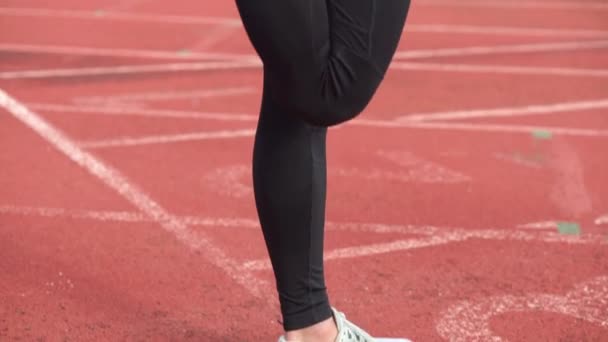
(353, 335)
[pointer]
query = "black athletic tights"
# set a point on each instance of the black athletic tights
(323, 61)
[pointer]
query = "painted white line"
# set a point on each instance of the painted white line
(429, 235)
(251, 61)
(436, 174)
(422, 171)
(381, 228)
(369, 250)
(213, 37)
(240, 223)
(103, 216)
(125, 5)
(505, 30)
(254, 64)
(601, 220)
(234, 180)
(502, 49)
(128, 53)
(235, 22)
(551, 108)
(129, 69)
(481, 127)
(539, 225)
(568, 192)
(443, 236)
(246, 223)
(164, 139)
(112, 178)
(230, 181)
(470, 320)
(570, 5)
(124, 216)
(501, 69)
(123, 99)
(520, 159)
(357, 122)
(115, 15)
(47, 107)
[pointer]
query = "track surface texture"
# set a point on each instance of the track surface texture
(469, 202)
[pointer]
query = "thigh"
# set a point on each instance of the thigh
(369, 28)
(389, 21)
(290, 34)
(285, 32)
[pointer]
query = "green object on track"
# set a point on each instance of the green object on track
(183, 52)
(542, 134)
(569, 228)
(100, 13)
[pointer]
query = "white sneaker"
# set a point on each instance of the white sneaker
(347, 331)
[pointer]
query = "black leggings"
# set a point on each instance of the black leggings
(323, 61)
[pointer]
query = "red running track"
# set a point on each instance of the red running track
(126, 211)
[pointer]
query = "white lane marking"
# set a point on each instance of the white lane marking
(129, 69)
(237, 223)
(213, 37)
(481, 127)
(601, 220)
(357, 122)
(430, 235)
(115, 15)
(122, 99)
(254, 64)
(501, 69)
(381, 228)
(442, 236)
(116, 181)
(539, 225)
(97, 215)
(234, 180)
(127, 216)
(230, 181)
(251, 61)
(569, 192)
(164, 139)
(129, 53)
(368, 250)
(502, 49)
(470, 320)
(235, 22)
(505, 30)
(125, 5)
(423, 171)
(244, 60)
(576, 5)
(123, 216)
(48, 107)
(520, 159)
(551, 108)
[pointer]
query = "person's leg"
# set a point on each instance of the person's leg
(289, 182)
(323, 61)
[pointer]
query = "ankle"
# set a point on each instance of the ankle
(322, 331)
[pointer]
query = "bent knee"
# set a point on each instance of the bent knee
(339, 93)
(332, 111)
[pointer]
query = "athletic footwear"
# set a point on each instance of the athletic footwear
(347, 331)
